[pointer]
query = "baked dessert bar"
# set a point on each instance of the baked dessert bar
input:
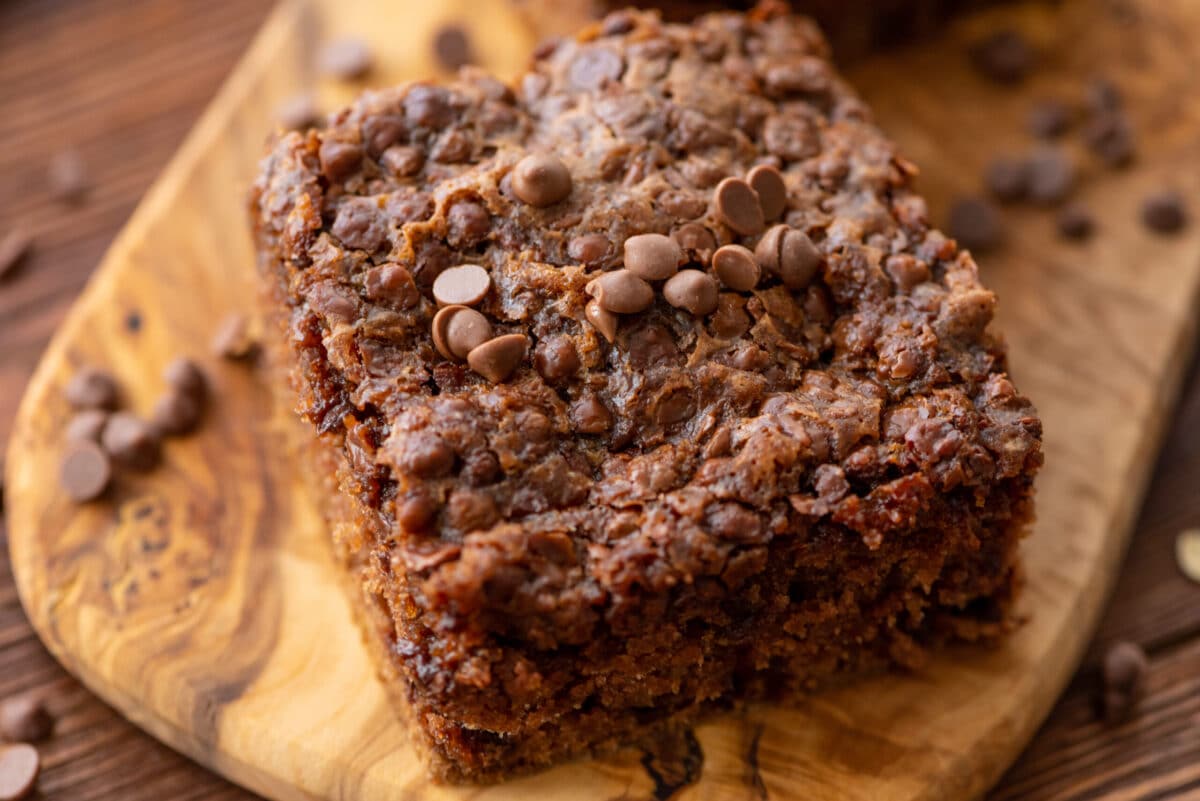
(645, 385)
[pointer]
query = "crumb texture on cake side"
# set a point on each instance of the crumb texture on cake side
(658, 504)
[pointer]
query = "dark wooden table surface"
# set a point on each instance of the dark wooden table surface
(122, 81)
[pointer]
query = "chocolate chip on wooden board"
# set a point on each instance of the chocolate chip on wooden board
(345, 59)
(1004, 56)
(92, 388)
(233, 340)
(131, 441)
(85, 472)
(1109, 135)
(14, 247)
(86, 425)
(67, 177)
(1048, 118)
(975, 224)
(464, 285)
(1007, 178)
(1051, 176)
(452, 46)
(25, 719)
(183, 374)
(1124, 677)
(298, 112)
(541, 179)
(1164, 212)
(497, 358)
(1187, 553)
(1075, 221)
(176, 413)
(19, 769)
(653, 257)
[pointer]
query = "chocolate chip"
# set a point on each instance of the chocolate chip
(589, 415)
(1124, 673)
(594, 67)
(427, 455)
(789, 254)
(298, 112)
(457, 330)
(1164, 212)
(92, 388)
(1004, 56)
(357, 224)
(403, 160)
(736, 267)
(392, 284)
(19, 769)
(382, 131)
(1110, 137)
(1048, 119)
(1007, 178)
(85, 471)
(345, 59)
(184, 375)
(497, 358)
(588, 249)
(602, 320)
(233, 341)
(1187, 553)
(15, 245)
(338, 159)
(692, 290)
(806, 74)
(541, 180)
(467, 224)
(25, 719)
(452, 47)
(617, 23)
(176, 413)
(767, 182)
(1075, 221)
(906, 270)
(654, 257)
(736, 205)
(68, 177)
(555, 358)
(696, 241)
(131, 441)
(975, 224)
(1103, 95)
(621, 292)
(1051, 176)
(86, 426)
(464, 285)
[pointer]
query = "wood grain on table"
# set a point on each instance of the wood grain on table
(123, 82)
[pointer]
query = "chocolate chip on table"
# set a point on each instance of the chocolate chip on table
(25, 719)
(233, 340)
(736, 267)
(1164, 212)
(67, 177)
(1103, 95)
(602, 320)
(767, 181)
(654, 257)
(298, 112)
(1007, 178)
(85, 472)
(92, 388)
(131, 441)
(346, 59)
(541, 179)
(1051, 176)
(86, 425)
(184, 375)
(692, 290)
(452, 46)
(176, 413)
(1187, 553)
(1110, 137)
(621, 292)
(457, 330)
(790, 254)
(1048, 119)
(736, 204)
(1075, 221)
(1004, 56)
(497, 358)
(464, 285)
(975, 224)
(1124, 674)
(15, 245)
(19, 769)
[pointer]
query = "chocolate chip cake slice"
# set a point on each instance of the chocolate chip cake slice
(646, 388)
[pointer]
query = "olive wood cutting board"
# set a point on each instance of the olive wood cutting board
(201, 599)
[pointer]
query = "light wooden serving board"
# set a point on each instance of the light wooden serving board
(203, 603)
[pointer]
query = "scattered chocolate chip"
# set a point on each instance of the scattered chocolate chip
(298, 112)
(693, 291)
(1103, 95)
(696, 241)
(1075, 221)
(654, 257)
(589, 415)
(85, 471)
(92, 388)
(736, 205)
(15, 245)
(86, 425)
(602, 320)
(497, 358)
(1049, 119)
(19, 769)
(176, 413)
(541, 180)
(67, 177)
(1124, 672)
(1187, 553)
(1110, 137)
(1004, 56)
(133, 322)
(464, 285)
(1007, 178)
(975, 224)
(621, 292)
(736, 267)
(452, 47)
(25, 719)
(457, 330)
(767, 181)
(185, 375)
(131, 441)
(233, 341)
(790, 254)
(1164, 212)
(345, 59)
(1051, 176)
(588, 249)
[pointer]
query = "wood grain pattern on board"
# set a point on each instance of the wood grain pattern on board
(202, 601)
